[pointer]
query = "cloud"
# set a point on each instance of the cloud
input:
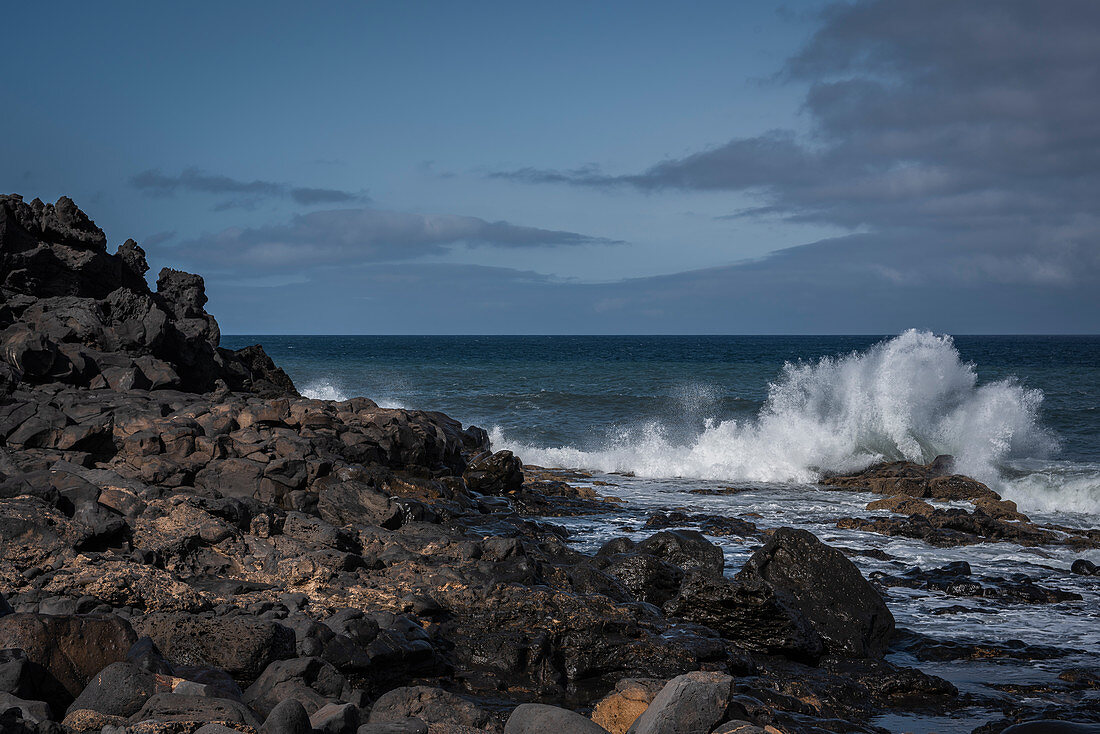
(824, 289)
(344, 237)
(248, 193)
(968, 130)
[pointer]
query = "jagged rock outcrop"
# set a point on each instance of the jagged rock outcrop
(72, 312)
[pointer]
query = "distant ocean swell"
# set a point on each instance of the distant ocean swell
(910, 397)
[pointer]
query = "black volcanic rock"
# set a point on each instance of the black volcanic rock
(71, 312)
(822, 584)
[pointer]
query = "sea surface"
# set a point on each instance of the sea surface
(657, 417)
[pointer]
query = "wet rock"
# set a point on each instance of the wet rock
(955, 579)
(686, 549)
(709, 524)
(954, 527)
(824, 586)
(1085, 567)
(494, 474)
(536, 718)
(927, 481)
(646, 577)
(691, 702)
(903, 505)
(1052, 726)
(752, 616)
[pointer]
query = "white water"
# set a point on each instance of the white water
(326, 390)
(909, 397)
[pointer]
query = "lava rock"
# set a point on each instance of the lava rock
(827, 588)
(494, 474)
(432, 705)
(120, 689)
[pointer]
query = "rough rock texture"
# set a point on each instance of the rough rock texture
(74, 313)
(830, 592)
(618, 710)
(71, 649)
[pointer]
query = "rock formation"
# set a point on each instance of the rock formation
(188, 545)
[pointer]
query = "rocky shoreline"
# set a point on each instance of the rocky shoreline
(186, 544)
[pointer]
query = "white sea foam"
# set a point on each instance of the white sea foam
(326, 390)
(323, 390)
(909, 397)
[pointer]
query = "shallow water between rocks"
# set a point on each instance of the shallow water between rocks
(1072, 628)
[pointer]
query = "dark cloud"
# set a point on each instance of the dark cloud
(159, 238)
(249, 193)
(966, 136)
(356, 236)
(823, 289)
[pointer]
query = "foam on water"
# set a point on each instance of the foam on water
(910, 397)
(323, 390)
(326, 390)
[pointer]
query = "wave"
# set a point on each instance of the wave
(323, 390)
(909, 397)
(326, 390)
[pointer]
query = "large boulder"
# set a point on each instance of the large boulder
(431, 705)
(826, 588)
(750, 615)
(120, 689)
(496, 474)
(694, 702)
(618, 710)
(176, 707)
(242, 646)
(71, 649)
(537, 718)
(311, 682)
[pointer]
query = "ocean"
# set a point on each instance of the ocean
(1021, 413)
(656, 419)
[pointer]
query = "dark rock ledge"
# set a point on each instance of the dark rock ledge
(188, 545)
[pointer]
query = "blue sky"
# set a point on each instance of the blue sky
(619, 167)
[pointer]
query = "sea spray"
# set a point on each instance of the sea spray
(326, 390)
(910, 397)
(323, 390)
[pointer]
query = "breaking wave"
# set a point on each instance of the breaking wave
(323, 390)
(909, 397)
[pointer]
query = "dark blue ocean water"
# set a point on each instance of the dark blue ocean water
(726, 407)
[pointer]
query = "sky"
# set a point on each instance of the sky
(623, 167)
